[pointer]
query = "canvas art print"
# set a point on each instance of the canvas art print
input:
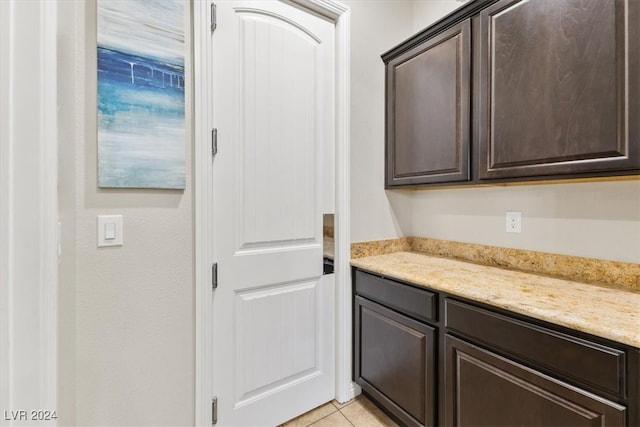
(141, 124)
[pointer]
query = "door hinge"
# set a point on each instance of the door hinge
(214, 17)
(214, 410)
(214, 141)
(214, 275)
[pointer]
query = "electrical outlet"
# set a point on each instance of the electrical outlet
(514, 222)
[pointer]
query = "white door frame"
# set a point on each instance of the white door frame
(28, 208)
(204, 41)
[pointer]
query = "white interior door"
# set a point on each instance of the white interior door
(273, 311)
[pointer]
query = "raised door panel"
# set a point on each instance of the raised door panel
(558, 87)
(394, 362)
(276, 166)
(485, 389)
(428, 111)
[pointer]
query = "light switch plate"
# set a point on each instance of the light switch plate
(110, 230)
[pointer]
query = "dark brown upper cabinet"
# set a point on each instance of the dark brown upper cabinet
(557, 86)
(428, 111)
(548, 89)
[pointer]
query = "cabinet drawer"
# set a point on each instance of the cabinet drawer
(593, 365)
(414, 302)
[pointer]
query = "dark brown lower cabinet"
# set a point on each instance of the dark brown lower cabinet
(484, 389)
(394, 362)
(432, 359)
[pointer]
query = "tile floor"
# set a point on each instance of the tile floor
(359, 412)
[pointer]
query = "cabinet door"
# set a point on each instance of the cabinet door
(485, 389)
(558, 87)
(394, 362)
(428, 108)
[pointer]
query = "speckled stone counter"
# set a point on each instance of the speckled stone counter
(328, 249)
(579, 269)
(602, 311)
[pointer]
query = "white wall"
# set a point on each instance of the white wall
(376, 27)
(130, 307)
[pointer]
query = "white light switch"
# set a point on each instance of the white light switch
(110, 230)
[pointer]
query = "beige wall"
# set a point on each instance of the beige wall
(595, 219)
(127, 311)
(376, 27)
(67, 141)
(126, 314)
(426, 12)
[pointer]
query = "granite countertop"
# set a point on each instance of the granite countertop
(606, 312)
(328, 247)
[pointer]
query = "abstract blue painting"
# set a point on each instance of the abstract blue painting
(141, 119)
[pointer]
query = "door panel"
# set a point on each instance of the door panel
(273, 311)
(277, 174)
(269, 324)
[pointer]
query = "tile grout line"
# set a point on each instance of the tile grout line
(328, 415)
(306, 413)
(348, 403)
(335, 410)
(347, 418)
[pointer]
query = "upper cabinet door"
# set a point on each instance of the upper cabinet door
(428, 109)
(558, 87)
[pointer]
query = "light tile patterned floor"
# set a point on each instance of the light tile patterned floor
(359, 412)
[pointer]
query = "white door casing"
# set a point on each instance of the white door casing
(276, 254)
(28, 212)
(273, 311)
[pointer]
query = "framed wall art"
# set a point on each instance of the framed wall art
(141, 94)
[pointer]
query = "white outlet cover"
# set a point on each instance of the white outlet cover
(514, 222)
(112, 222)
